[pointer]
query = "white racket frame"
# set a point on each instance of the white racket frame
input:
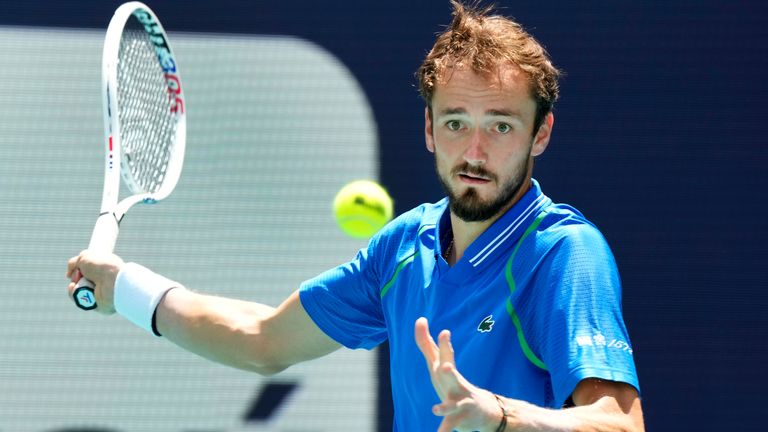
(106, 229)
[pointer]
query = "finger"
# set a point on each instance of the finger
(446, 348)
(459, 417)
(445, 408)
(446, 379)
(76, 276)
(72, 265)
(425, 342)
(452, 380)
(453, 385)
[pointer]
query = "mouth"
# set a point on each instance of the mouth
(473, 179)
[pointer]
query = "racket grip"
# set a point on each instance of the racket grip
(103, 238)
(84, 295)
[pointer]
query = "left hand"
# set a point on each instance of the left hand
(465, 407)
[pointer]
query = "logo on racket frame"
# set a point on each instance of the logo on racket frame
(164, 55)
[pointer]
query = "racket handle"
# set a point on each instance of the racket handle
(103, 238)
(84, 295)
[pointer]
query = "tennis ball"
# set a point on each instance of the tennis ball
(361, 208)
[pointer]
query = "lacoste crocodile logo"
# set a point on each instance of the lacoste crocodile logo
(486, 325)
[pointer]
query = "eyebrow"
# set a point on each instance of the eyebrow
(491, 112)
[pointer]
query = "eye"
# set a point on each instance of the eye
(453, 125)
(503, 128)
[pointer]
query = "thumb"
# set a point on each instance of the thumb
(76, 276)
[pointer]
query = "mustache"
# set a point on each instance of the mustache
(474, 171)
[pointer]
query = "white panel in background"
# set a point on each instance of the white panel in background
(276, 126)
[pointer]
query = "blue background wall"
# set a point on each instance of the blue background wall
(659, 139)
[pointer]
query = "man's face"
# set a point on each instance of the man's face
(481, 132)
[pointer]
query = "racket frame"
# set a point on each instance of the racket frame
(114, 164)
(106, 229)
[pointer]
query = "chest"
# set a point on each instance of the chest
(485, 341)
(483, 333)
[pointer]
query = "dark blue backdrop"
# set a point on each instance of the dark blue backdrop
(659, 139)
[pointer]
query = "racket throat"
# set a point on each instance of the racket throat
(105, 232)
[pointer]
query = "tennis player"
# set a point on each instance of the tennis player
(525, 291)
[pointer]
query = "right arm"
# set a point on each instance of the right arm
(236, 333)
(242, 334)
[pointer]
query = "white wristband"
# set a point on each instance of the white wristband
(138, 291)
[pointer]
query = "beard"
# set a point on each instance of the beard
(469, 207)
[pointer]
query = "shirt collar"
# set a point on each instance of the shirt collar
(504, 231)
(509, 227)
(431, 236)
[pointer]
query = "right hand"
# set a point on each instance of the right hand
(101, 269)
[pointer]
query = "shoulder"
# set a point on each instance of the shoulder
(401, 236)
(569, 248)
(407, 226)
(563, 226)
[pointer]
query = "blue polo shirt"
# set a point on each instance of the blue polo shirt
(533, 306)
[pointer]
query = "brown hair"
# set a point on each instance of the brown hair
(482, 41)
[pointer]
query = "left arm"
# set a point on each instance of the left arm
(600, 405)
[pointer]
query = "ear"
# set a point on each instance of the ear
(541, 140)
(429, 136)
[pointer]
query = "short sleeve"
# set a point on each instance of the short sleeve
(344, 302)
(579, 329)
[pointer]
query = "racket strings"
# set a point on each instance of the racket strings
(147, 124)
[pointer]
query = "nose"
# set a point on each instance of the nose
(475, 154)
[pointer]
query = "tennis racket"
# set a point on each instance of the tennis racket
(144, 124)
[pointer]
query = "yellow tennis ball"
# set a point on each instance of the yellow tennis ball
(361, 208)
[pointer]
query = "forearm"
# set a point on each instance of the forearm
(237, 333)
(604, 415)
(223, 330)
